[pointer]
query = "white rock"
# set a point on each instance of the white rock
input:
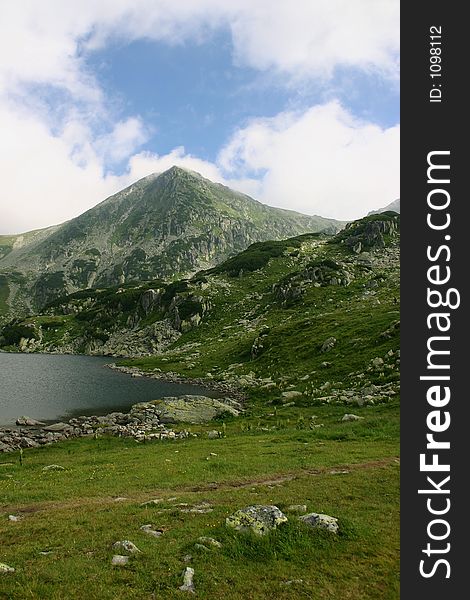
(150, 531)
(209, 541)
(53, 468)
(127, 546)
(299, 508)
(291, 394)
(119, 560)
(6, 569)
(351, 417)
(188, 585)
(318, 520)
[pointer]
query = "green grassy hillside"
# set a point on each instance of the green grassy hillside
(168, 225)
(307, 329)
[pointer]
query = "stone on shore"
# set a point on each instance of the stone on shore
(188, 409)
(28, 422)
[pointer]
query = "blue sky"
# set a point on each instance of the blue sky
(192, 95)
(295, 103)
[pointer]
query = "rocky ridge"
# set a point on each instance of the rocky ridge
(165, 225)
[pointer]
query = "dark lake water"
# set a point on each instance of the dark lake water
(53, 387)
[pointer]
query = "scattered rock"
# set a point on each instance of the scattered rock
(318, 520)
(6, 569)
(14, 518)
(202, 508)
(119, 560)
(351, 417)
(328, 344)
(298, 508)
(152, 502)
(209, 541)
(201, 547)
(188, 585)
(127, 546)
(57, 427)
(212, 435)
(53, 468)
(257, 518)
(28, 422)
(150, 531)
(289, 395)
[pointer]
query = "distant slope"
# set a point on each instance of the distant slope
(393, 206)
(300, 311)
(163, 226)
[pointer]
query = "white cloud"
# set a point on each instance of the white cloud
(122, 140)
(312, 37)
(144, 163)
(42, 182)
(321, 161)
(55, 160)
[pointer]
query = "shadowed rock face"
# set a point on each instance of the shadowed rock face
(166, 225)
(371, 232)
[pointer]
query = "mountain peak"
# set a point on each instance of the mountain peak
(176, 170)
(161, 227)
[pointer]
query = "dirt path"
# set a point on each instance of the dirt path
(270, 480)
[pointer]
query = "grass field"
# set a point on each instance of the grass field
(348, 470)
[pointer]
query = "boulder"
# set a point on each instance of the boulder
(187, 409)
(188, 585)
(377, 362)
(5, 568)
(148, 529)
(318, 520)
(58, 427)
(28, 422)
(257, 518)
(119, 560)
(328, 344)
(5, 447)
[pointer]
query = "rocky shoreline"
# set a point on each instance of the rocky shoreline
(144, 421)
(225, 388)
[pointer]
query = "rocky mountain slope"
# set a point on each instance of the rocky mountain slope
(163, 226)
(313, 316)
(393, 206)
